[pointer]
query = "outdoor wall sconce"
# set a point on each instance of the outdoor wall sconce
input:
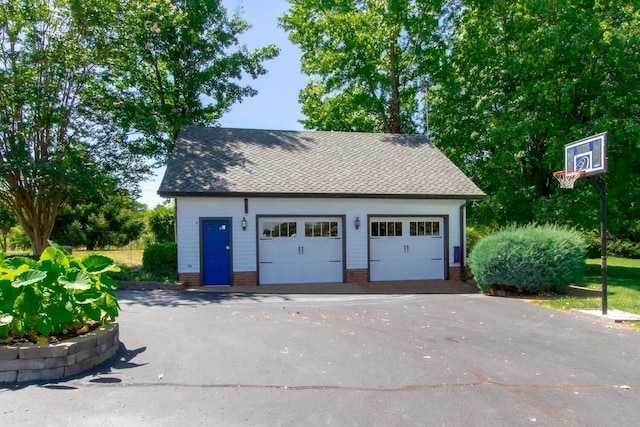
(357, 224)
(244, 223)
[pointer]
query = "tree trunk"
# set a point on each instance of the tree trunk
(395, 122)
(36, 215)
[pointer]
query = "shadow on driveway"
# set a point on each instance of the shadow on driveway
(220, 294)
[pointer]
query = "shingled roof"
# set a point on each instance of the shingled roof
(246, 162)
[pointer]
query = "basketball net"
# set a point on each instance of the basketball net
(567, 179)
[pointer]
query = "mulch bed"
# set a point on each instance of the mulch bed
(574, 291)
(53, 338)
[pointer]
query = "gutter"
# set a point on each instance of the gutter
(175, 194)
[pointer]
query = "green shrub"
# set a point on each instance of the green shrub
(616, 246)
(57, 293)
(139, 274)
(592, 243)
(475, 234)
(530, 259)
(161, 220)
(623, 248)
(161, 259)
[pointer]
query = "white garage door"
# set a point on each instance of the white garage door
(300, 250)
(406, 248)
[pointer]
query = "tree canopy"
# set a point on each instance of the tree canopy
(508, 84)
(90, 89)
(50, 58)
(179, 63)
(522, 80)
(99, 220)
(369, 61)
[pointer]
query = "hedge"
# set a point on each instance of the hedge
(161, 259)
(529, 259)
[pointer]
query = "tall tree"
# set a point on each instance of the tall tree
(81, 79)
(180, 63)
(370, 61)
(524, 78)
(50, 57)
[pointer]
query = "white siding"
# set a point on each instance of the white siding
(244, 243)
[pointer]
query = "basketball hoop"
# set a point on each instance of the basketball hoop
(567, 179)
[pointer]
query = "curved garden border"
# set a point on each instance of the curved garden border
(60, 360)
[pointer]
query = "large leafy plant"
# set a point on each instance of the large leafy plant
(56, 294)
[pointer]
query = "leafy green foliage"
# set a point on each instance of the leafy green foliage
(57, 293)
(524, 78)
(515, 83)
(7, 222)
(179, 63)
(624, 248)
(530, 259)
(369, 61)
(592, 243)
(52, 54)
(98, 220)
(475, 234)
(80, 81)
(161, 223)
(161, 259)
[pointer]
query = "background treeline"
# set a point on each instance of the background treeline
(116, 222)
(501, 86)
(96, 92)
(92, 96)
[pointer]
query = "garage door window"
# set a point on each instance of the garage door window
(321, 229)
(424, 228)
(386, 229)
(278, 229)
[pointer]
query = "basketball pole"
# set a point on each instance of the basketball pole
(600, 183)
(588, 157)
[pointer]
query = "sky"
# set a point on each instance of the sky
(276, 104)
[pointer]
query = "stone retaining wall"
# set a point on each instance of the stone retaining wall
(61, 360)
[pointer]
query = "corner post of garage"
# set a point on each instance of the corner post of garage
(463, 241)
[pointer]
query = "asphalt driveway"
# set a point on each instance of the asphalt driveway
(225, 359)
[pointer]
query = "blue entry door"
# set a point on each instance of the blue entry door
(216, 252)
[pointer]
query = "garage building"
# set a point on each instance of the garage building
(261, 207)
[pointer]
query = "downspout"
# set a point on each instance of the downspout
(175, 220)
(463, 241)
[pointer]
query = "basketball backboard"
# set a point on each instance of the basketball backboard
(588, 155)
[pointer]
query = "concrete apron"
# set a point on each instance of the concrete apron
(394, 287)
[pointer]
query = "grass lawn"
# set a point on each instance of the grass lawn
(129, 258)
(623, 286)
